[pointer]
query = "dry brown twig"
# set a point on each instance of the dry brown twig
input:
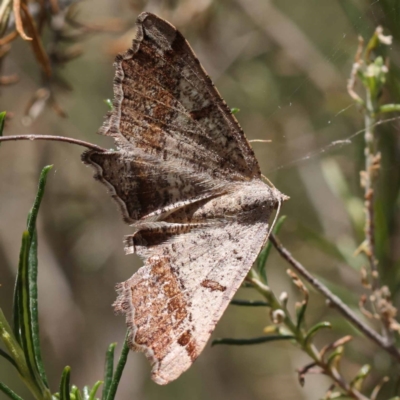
(18, 19)
(64, 139)
(335, 302)
(8, 38)
(51, 53)
(36, 41)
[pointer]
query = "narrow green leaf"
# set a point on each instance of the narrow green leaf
(6, 390)
(8, 358)
(2, 121)
(34, 308)
(335, 357)
(39, 196)
(25, 318)
(16, 313)
(257, 340)
(108, 370)
(118, 371)
(26, 325)
(386, 108)
(310, 334)
(75, 393)
(17, 354)
(358, 381)
(263, 256)
(31, 226)
(249, 303)
(301, 312)
(22, 296)
(64, 384)
(33, 275)
(372, 44)
(92, 394)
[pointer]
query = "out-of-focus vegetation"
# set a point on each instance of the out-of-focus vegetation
(285, 65)
(22, 340)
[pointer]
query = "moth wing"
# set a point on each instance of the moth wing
(166, 105)
(146, 187)
(178, 141)
(174, 301)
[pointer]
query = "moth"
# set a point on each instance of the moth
(187, 181)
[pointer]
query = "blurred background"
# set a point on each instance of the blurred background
(285, 65)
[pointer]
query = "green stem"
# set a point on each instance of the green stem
(372, 165)
(301, 338)
(368, 183)
(17, 354)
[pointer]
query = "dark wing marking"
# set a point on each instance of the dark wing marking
(147, 187)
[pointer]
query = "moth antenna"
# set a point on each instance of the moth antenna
(274, 221)
(260, 141)
(268, 181)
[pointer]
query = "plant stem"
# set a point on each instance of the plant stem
(55, 138)
(368, 178)
(335, 301)
(368, 183)
(300, 338)
(16, 352)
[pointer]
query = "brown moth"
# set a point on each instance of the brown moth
(187, 180)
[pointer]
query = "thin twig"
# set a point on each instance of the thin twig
(55, 138)
(18, 20)
(8, 79)
(8, 38)
(335, 301)
(37, 45)
(327, 368)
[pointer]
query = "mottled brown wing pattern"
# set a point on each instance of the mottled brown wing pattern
(146, 187)
(191, 272)
(187, 180)
(172, 128)
(166, 105)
